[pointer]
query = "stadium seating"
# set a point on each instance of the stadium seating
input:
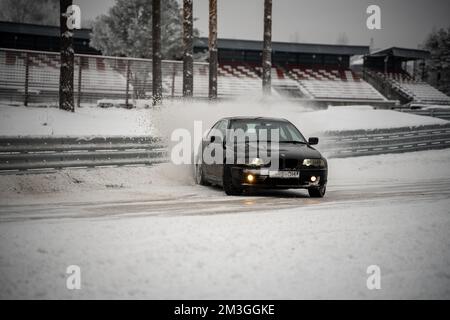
(104, 77)
(333, 84)
(98, 75)
(238, 79)
(417, 90)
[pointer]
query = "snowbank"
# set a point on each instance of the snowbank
(24, 121)
(178, 114)
(341, 118)
(309, 122)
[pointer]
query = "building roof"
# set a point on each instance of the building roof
(313, 48)
(39, 30)
(406, 54)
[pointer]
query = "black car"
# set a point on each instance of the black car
(236, 167)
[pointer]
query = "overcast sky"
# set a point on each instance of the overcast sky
(405, 23)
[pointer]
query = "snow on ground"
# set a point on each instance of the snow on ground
(306, 252)
(431, 106)
(150, 233)
(364, 117)
(177, 114)
(309, 121)
(36, 121)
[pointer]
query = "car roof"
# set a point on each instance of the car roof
(255, 118)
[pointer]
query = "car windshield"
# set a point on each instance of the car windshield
(262, 129)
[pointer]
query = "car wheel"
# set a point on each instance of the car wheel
(199, 175)
(317, 192)
(228, 186)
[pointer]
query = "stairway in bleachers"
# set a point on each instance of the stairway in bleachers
(418, 91)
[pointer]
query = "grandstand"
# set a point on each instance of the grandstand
(106, 78)
(300, 71)
(311, 72)
(41, 38)
(386, 70)
(308, 71)
(101, 77)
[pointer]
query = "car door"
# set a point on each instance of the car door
(217, 168)
(210, 168)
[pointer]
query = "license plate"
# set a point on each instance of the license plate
(284, 174)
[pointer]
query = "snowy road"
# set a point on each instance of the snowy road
(195, 201)
(169, 239)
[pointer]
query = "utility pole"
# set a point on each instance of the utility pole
(156, 52)
(267, 49)
(188, 43)
(213, 57)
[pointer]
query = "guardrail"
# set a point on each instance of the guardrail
(33, 153)
(432, 112)
(341, 144)
(28, 153)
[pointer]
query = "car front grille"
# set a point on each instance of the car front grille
(289, 164)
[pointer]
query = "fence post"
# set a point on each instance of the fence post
(127, 90)
(174, 71)
(27, 78)
(80, 67)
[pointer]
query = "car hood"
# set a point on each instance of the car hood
(298, 151)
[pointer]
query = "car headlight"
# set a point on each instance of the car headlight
(317, 163)
(257, 162)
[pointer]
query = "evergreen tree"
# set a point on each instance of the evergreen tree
(127, 30)
(438, 43)
(44, 12)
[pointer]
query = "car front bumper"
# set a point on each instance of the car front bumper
(262, 178)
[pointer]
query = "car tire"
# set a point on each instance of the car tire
(317, 192)
(228, 186)
(199, 175)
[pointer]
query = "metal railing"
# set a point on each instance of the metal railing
(342, 144)
(431, 112)
(33, 77)
(28, 153)
(31, 153)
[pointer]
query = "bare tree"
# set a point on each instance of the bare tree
(156, 43)
(188, 66)
(66, 101)
(267, 49)
(213, 58)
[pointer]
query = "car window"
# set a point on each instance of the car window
(287, 131)
(220, 126)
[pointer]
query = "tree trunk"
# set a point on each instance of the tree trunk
(156, 41)
(66, 98)
(213, 59)
(267, 49)
(188, 65)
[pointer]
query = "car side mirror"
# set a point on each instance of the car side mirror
(313, 141)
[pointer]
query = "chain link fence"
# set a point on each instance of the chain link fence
(33, 77)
